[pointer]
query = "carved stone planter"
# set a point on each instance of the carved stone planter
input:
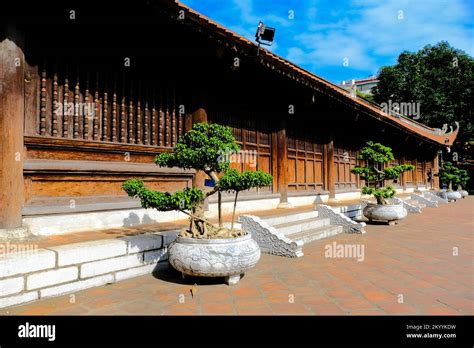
(453, 195)
(229, 258)
(385, 212)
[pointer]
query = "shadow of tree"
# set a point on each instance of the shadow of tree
(168, 274)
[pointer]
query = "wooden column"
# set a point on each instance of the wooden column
(415, 179)
(282, 164)
(12, 105)
(331, 169)
(199, 115)
(404, 176)
(436, 171)
(188, 122)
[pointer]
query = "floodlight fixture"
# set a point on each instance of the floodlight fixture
(264, 35)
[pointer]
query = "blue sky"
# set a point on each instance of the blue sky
(366, 34)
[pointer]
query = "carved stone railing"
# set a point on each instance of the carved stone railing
(409, 207)
(436, 198)
(269, 239)
(425, 201)
(335, 218)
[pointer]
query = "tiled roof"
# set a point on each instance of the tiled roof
(373, 110)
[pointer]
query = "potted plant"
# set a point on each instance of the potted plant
(205, 249)
(463, 180)
(449, 175)
(372, 171)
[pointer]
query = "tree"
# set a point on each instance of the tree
(202, 149)
(375, 155)
(463, 178)
(440, 78)
(449, 175)
(237, 182)
(367, 96)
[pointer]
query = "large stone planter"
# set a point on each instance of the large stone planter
(385, 212)
(229, 258)
(453, 195)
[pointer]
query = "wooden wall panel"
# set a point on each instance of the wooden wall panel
(65, 154)
(108, 108)
(305, 149)
(76, 185)
(345, 159)
(409, 176)
(420, 177)
(254, 138)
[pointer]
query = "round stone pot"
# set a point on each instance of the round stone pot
(453, 195)
(384, 212)
(229, 258)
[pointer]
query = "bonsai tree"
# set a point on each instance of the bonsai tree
(235, 181)
(449, 175)
(201, 149)
(463, 179)
(375, 155)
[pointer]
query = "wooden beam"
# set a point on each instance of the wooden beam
(12, 113)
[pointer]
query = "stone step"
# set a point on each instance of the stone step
(301, 225)
(56, 270)
(311, 235)
(281, 219)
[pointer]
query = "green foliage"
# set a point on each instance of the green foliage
(374, 156)
(392, 173)
(233, 180)
(376, 152)
(204, 148)
(201, 148)
(187, 199)
(449, 175)
(379, 193)
(438, 77)
(463, 178)
(367, 96)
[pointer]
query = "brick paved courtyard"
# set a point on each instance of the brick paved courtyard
(424, 265)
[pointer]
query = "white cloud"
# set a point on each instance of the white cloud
(371, 31)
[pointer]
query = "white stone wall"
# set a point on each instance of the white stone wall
(40, 273)
(55, 224)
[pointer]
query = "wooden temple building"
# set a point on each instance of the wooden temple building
(90, 93)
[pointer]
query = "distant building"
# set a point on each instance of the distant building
(363, 85)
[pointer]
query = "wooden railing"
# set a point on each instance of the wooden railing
(101, 107)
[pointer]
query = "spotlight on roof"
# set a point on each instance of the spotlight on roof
(264, 35)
